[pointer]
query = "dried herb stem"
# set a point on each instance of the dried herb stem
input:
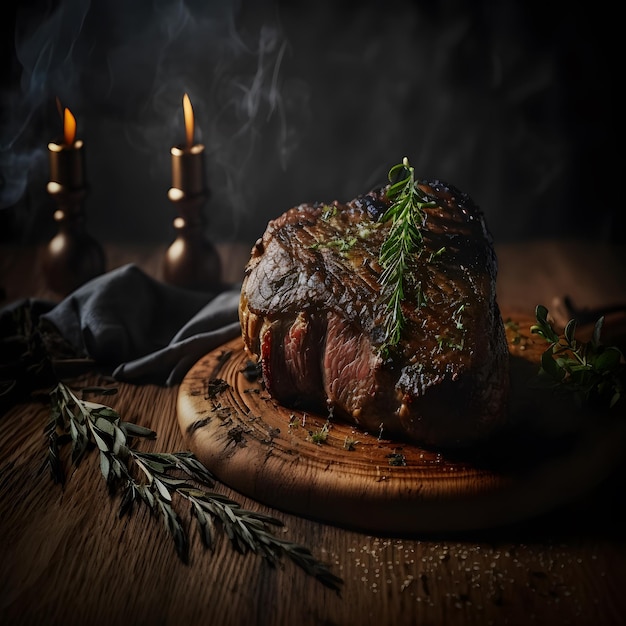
(154, 478)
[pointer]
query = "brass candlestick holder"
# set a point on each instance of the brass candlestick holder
(191, 261)
(72, 257)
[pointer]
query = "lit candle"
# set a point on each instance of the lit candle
(187, 160)
(67, 165)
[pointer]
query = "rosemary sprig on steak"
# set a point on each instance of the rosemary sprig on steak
(403, 242)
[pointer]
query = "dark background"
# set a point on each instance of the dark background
(512, 101)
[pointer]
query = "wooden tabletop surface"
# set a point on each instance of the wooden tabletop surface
(66, 558)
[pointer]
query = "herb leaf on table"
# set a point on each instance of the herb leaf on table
(31, 356)
(156, 479)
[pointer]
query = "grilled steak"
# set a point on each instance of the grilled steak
(311, 311)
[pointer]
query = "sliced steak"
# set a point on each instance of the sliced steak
(311, 311)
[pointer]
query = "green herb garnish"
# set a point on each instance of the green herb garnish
(328, 211)
(396, 459)
(590, 370)
(403, 242)
(158, 480)
(350, 443)
(339, 243)
(320, 435)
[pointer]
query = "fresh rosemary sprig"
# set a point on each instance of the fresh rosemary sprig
(402, 243)
(590, 370)
(156, 478)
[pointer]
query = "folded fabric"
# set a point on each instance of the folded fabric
(149, 332)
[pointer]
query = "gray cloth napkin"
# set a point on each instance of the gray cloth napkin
(148, 331)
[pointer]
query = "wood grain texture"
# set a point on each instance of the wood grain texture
(268, 452)
(66, 559)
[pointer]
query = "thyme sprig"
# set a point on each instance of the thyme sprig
(400, 246)
(590, 370)
(159, 479)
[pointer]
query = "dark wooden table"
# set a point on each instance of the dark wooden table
(66, 558)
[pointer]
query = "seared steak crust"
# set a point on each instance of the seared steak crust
(311, 311)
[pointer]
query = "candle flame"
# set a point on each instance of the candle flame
(188, 111)
(69, 127)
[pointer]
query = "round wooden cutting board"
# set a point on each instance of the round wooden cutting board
(324, 469)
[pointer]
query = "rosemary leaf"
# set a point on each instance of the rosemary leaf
(154, 478)
(54, 462)
(132, 430)
(205, 524)
(174, 526)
